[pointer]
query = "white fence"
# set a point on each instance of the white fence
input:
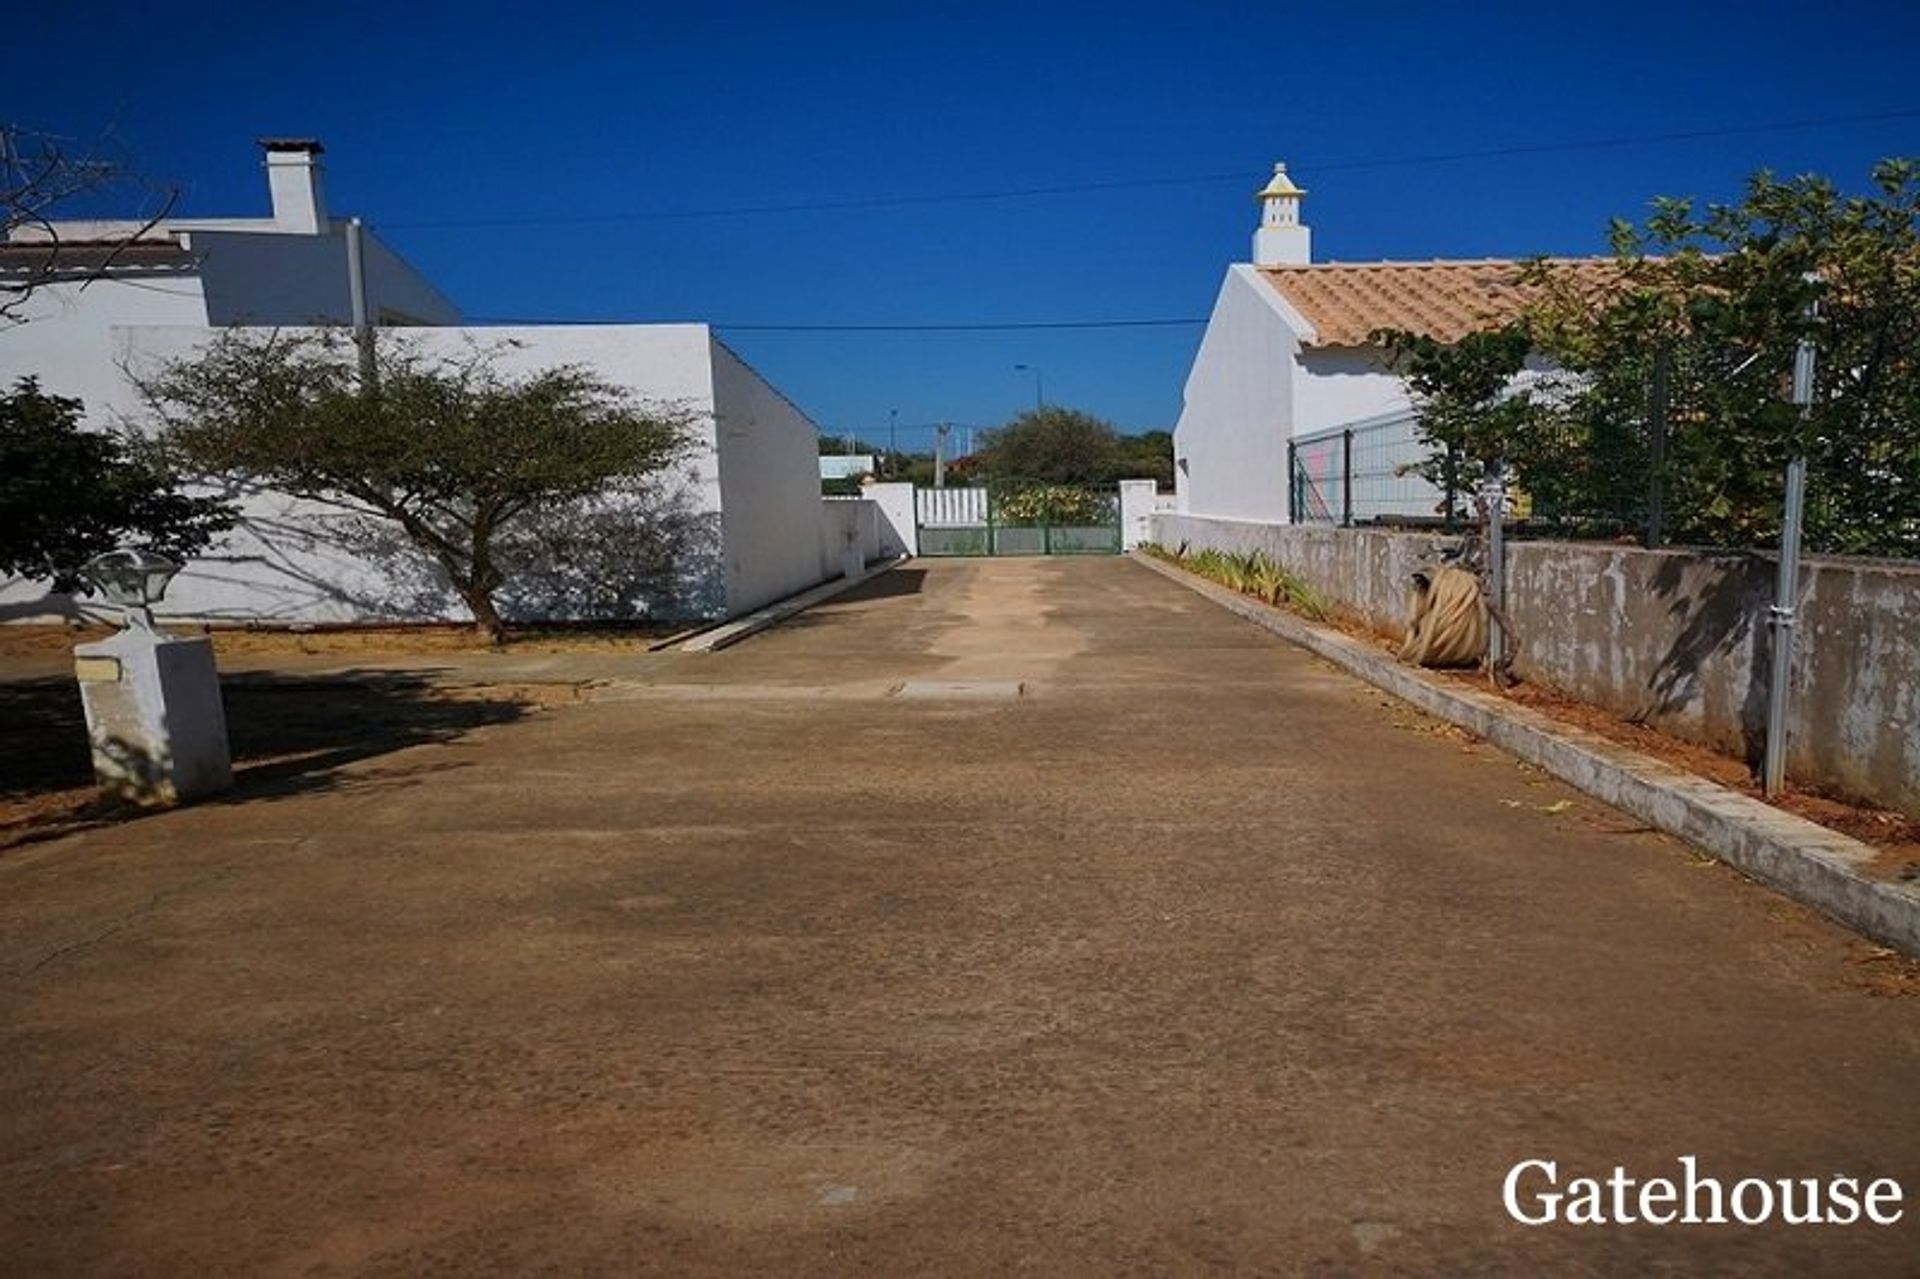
(950, 508)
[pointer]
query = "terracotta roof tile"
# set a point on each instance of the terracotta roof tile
(1346, 302)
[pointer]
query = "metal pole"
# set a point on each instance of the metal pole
(1346, 478)
(1657, 452)
(940, 457)
(1493, 493)
(357, 301)
(1039, 395)
(1787, 586)
(1293, 482)
(1452, 476)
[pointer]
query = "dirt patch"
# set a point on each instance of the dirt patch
(1896, 835)
(51, 641)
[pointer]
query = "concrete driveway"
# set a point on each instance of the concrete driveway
(828, 955)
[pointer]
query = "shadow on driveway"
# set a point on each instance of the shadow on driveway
(289, 735)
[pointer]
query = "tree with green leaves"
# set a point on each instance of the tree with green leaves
(1066, 446)
(67, 494)
(1473, 417)
(458, 454)
(1720, 297)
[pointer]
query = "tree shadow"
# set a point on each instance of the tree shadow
(288, 736)
(649, 552)
(1718, 608)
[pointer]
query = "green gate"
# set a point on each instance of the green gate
(1018, 518)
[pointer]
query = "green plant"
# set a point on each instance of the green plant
(1056, 504)
(67, 494)
(1251, 573)
(1718, 298)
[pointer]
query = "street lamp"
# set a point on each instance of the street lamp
(1039, 396)
(132, 580)
(152, 700)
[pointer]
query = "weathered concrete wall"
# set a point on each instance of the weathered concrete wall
(1364, 574)
(1677, 639)
(848, 526)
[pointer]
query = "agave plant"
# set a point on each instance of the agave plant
(1271, 582)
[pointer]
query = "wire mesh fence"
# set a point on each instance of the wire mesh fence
(1650, 477)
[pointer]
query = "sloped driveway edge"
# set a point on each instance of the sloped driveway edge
(732, 632)
(1818, 867)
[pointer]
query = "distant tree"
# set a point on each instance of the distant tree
(39, 173)
(67, 494)
(1147, 456)
(457, 454)
(1055, 445)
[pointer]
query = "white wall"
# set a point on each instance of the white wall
(1233, 430)
(67, 340)
(849, 526)
(899, 535)
(1138, 499)
(283, 279)
(254, 277)
(290, 560)
(769, 486)
(1340, 385)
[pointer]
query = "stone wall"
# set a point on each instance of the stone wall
(1677, 639)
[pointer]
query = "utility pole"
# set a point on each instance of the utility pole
(1787, 586)
(940, 456)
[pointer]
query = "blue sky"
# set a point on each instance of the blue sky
(600, 162)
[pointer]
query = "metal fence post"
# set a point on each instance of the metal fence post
(1451, 474)
(1657, 452)
(1494, 495)
(1346, 478)
(1293, 482)
(1787, 586)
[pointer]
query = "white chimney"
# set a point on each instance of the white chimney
(1282, 240)
(293, 178)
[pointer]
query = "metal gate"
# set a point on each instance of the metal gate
(1015, 518)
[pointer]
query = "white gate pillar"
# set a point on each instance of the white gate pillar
(1136, 512)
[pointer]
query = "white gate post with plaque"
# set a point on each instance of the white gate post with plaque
(154, 717)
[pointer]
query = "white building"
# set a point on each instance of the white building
(1288, 352)
(738, 524)
(289, 268)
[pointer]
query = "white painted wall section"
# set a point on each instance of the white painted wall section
(1138, 499)
(1341, 385)
(1230, 444)
(898, 533)
(769, 486)
(293, 561)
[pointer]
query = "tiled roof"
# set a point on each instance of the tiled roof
(1346, 302)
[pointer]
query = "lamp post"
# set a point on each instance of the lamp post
(154, 717)
(1039, 394)
(133, 581)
